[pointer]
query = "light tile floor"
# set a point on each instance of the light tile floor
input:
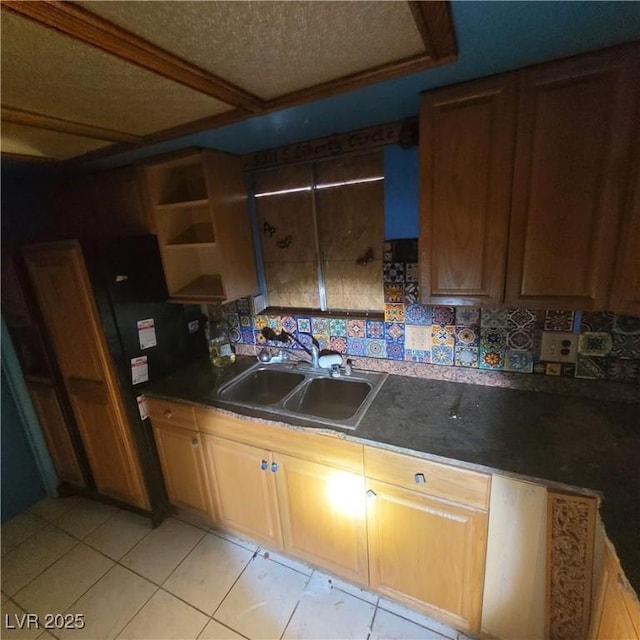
(179, 581)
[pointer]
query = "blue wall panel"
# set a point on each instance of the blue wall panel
(400, 192)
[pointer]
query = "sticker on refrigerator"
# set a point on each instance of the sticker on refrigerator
(139, 370)
(142, 407)
(147, 333)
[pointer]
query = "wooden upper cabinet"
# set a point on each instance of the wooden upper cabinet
(61, 286)
(466, 158)
(575, 126)
(625, 295)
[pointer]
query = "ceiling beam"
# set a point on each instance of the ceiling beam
(433, 20)
(41, 121)
(82, 25)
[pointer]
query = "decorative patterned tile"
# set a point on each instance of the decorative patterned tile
(443, 315)
(245, 322)
(247, 336)
(387, 256)
(518, 360)
(492, 359)
(623, 369)
(442, 335)
(411, 293)
(356, 328)
(376, 348)
(234, 334)
(494, 318)
(233, 320)
(289, 324)
(411, 273)
(304, 324)
(558, 320)
(625, 346)
(356, 346)
(405, 250)
(258, 338)
(394, 331)
(467, 316)
(394, 312)
(417, 337)
(339, 344)
(577, 321)
(275, 322)
(414, 355)
(597, 321)
(337, 327)
(243, 305)
(467, 336)
(260, 322)
(626, 325)
(319, 325)
(374, 328)
(466, 357)
(591, 367)
(594, 344)
(521, 319)
(417, 314)
(520, 339)
(493, 339)
(539, 368)
(442, 354)
(553, 369)
(393, 272)
(568, 369)
(395, 350)
(323, 339)
(393, 292)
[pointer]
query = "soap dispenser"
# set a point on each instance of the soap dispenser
(221, 352)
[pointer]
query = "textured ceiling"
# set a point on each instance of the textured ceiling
(273, 48)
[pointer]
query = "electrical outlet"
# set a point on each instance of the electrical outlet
(558, 346)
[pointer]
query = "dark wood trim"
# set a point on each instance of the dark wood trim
(82, 25)
(356, 81)
(41, 121)
(433, 20)
(27, 158)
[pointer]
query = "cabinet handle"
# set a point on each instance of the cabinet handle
(168, 414)
(263, 465)
(371, 494)
(194, 443)
(274, 467)
(419, 478)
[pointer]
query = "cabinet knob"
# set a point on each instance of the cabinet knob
(263, 465)
(419, 478)
(168, 414)
(194, 443)
(371, 494)
(274, 467)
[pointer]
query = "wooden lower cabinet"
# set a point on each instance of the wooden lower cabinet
(244, 490)
(183, 468)
(427, 553)
(56, 433)
(322, 510)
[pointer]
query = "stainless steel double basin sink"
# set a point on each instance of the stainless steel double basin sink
(298, 391)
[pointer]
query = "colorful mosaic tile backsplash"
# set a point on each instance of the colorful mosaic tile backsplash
(479, 338)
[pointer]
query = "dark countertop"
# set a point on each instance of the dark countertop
(552, 438)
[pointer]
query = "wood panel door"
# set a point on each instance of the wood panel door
(56, 433)
(244, 490)
(183, 468)
(62, 289)
(323, 516)
(427, 553)
(467, 137)
(575, 126)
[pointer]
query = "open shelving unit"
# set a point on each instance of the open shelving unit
(201, 218)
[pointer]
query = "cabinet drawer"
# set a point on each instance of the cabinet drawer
(317, 447)
(172, 412)
(439, 480)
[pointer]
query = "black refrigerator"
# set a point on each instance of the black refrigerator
(148, 337)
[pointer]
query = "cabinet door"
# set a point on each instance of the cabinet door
(625, 296)
(467, 138)
(575, 123)
(182, 460)
(427, 553)
(323, 516)
(243, 488)
(62, 289)
(56, 434)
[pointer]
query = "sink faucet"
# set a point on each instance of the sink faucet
(313, 350)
